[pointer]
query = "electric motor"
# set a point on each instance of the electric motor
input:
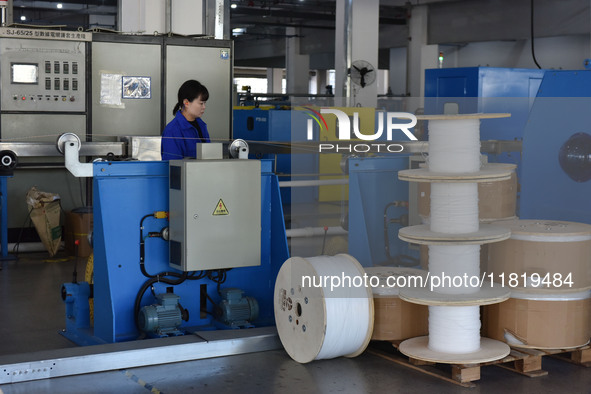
(237, 310)
(163, 318)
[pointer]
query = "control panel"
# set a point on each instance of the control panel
(42, 75)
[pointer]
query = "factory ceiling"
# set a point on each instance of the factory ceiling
(259, 26)
(253, 23)
(258, 17)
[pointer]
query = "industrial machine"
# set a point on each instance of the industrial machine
(98, 86)
(179, 247)
(486, 90)
(556, 172)
(378, 208)
(214, 249)
(279, 126)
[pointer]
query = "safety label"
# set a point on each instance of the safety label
(220, 209)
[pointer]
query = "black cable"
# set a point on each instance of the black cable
(533, 54)
(20, 235)
(81, 194)
(217, 308)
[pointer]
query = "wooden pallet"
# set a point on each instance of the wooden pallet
(526, 362)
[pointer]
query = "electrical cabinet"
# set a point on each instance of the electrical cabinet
(215, 214)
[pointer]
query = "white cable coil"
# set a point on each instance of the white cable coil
(454, 208)
(454, 329)
(322, 320)
(454, 145)
(458, 263)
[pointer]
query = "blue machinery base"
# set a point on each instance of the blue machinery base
(123, 193)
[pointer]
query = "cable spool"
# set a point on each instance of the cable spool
(538, 249)
(454, 236)
(454, 329)
(454, 146)
(315, 318)
(496, 200)
(541, 320)
(454, 208)
(396, 319)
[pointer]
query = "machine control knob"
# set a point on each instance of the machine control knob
(575, 157)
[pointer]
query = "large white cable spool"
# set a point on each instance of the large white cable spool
(315, 318)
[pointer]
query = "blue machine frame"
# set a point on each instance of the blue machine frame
(123, 193)
(486, 90)
(277, 125)
(561, 109)
(375, 196)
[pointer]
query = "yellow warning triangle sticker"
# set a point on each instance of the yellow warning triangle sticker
(220, 209)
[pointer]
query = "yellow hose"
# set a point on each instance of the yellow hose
(89, 277)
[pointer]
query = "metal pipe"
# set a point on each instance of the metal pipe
(312, 182)
(314, 232)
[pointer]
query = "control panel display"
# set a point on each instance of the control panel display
(42, 75)
(24, 73)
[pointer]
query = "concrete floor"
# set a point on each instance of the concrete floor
(32, 314)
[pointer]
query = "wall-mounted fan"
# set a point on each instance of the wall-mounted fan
(362, 73)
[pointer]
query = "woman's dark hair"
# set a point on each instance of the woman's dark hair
(190, 90)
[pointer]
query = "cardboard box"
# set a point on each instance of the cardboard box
(540, 324)
(396, 319)
(79, 223)
(570, 260)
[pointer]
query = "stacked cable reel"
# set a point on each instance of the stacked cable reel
(454, 237)
(547, 265)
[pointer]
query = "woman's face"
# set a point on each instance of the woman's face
(194, 109)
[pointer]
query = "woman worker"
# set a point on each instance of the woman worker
(187, 128)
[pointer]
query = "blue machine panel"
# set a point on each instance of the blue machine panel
(277, 125)
(561, 110)
(377, 200)
(486, 90)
